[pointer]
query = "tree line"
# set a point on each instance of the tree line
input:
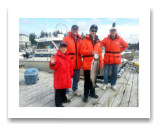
(134, 46)
(33, 36)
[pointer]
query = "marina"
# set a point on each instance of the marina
(42, 93)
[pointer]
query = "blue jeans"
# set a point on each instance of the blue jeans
(75, 80)
(107, 68)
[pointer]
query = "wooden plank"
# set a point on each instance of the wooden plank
(118, 98)
(74, 97)
(106, 95)
(50, 104)
(126, 97)
(82, 104)
(27, 101)
(92, 102)
(71, 96)
(111, 92)
(33, 92)
(41, 102)
(133, 97)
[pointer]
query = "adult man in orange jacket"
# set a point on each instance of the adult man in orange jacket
(89, 47)
(114, 45)
(73, 41)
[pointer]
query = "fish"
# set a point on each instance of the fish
(95, 69)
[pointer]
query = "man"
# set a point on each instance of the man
(73, 41)
(114, 45)
(89, 47)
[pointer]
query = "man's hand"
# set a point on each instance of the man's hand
(101, 67)
(52, 59)
(93, 52)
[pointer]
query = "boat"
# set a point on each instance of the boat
(46, 47)
(137, 52)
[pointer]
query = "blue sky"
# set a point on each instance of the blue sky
(128, 28)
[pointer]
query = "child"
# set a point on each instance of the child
(63, 70)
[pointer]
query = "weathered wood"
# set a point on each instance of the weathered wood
(74, 97)
(118, 98)
(34, 92)
(50, 104)
(42, 101)
(82, 104)
(126, 97)
(133, 98)
(103, 98)
(32, 99)
(111, 92)
(94, 101)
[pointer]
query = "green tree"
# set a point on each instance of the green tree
(33, 36)
(42, 34)
(83, 36)
(46, 34)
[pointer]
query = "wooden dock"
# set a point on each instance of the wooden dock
(42, 93)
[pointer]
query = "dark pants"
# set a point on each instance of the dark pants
(60, 96)
(88, 84)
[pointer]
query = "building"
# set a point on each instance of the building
(24, 41)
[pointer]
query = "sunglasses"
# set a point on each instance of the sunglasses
(93, 31)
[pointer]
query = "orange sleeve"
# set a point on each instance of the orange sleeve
(102, 43)
(83, 49)
(124, 45)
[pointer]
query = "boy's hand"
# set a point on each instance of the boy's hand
(52, 59)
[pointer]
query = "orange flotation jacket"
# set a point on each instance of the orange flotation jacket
(87, 46)
(113, 49)
(73, 47)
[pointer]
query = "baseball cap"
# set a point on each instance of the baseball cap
(62, 43)
(75, 26)
(94, 26)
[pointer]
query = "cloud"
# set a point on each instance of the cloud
(112, 19)
(21, 31)
(34, 21)
(25, 21)
(129, 32)
(70, 20)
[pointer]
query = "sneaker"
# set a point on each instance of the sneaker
(104, 86)
(68, 101)
(78, 93)
(114, 88)
(94, 96)
(85, 99)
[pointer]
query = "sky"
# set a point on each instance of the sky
(127, 28)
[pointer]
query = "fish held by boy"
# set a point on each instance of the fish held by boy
(95, 68)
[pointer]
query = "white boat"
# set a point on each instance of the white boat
(137, 52)
(46, 47)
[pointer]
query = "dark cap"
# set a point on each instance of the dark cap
(75, 26)
(94, 26)
(113, 27)
(62, 43)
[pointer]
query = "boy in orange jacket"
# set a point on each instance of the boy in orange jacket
(63, 70)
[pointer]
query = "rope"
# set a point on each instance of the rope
(120, 91)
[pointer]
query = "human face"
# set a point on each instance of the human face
(74, 31)
(113, 33)
(93, 33)
(63, 49)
